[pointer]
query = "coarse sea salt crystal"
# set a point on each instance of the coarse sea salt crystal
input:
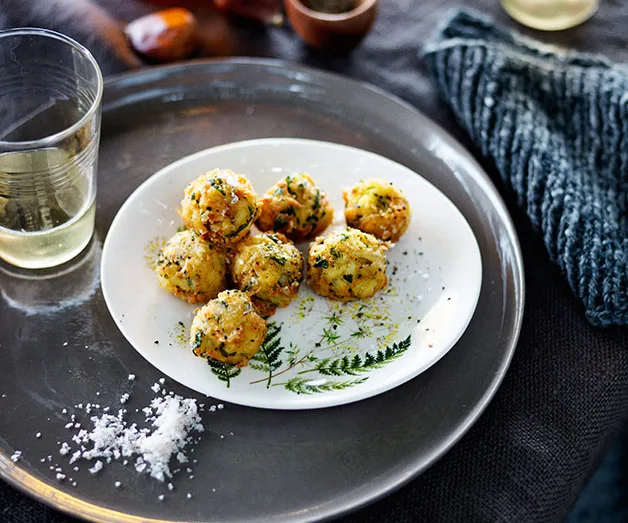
(172, 420)
(131, 377)
(15, 457)
(96, 468)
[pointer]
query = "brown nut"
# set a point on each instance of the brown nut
(165, 36)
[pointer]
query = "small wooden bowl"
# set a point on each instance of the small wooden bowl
(332, 32)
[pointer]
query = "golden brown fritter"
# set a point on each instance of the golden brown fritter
(377, 207)
(296, 207)
(347, 265)
(191, 269)
(269, 268)
(228, 329)
(221, 206)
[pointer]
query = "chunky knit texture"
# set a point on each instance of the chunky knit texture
(556, 126)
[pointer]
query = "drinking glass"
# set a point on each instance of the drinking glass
(550, 15)
(50, 93)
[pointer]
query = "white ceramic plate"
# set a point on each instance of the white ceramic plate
(329, 353)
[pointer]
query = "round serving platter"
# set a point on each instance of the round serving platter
(60, 346)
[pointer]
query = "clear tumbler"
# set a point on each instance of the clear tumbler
(50, 93)
(550, 15)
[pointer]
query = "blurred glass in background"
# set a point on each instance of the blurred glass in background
(550, 15)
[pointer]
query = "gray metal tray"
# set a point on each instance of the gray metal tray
(277, 466)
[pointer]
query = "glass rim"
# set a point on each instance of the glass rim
(68, 131)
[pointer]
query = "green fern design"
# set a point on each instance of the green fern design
(306, 386)
(267, 358)
(357, 364)
(223, 371)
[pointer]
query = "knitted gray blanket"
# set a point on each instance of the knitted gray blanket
(555, 124)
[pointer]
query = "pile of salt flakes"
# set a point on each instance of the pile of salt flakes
(172, 422)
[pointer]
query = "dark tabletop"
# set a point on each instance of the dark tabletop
(566, 393)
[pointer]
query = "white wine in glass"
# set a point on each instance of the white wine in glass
(550, 15)
(50, 94)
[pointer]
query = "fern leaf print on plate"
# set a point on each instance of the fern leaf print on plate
(346, 361)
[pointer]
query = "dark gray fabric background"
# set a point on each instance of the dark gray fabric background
(566, 393)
